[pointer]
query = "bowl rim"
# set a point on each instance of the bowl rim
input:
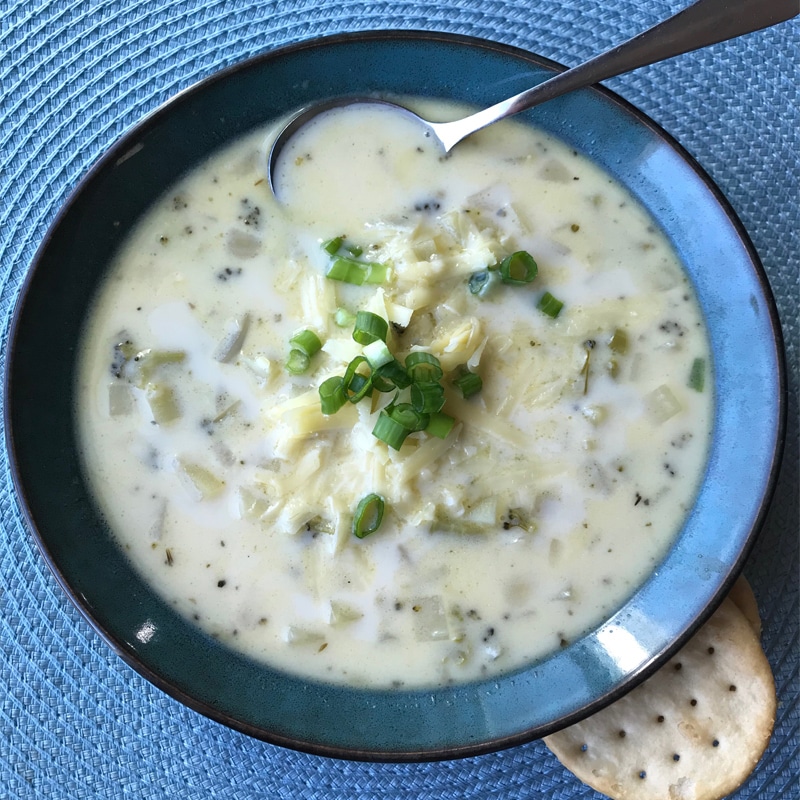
(121, 146)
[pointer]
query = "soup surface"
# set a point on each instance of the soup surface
(553, 455)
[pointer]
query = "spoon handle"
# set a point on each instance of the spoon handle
(703, 23)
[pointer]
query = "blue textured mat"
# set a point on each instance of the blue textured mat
(75, 721)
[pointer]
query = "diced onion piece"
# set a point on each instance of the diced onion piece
(662, 404)
(202, 483)
(430, 620)
(252, 505)
(146, 362)
(120, 401)
(343, 614)
(242, 245)
(231, 344)
(302, 636)
(163, 405)
(595, 414)
(697, 375)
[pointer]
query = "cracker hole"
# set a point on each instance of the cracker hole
(660, 718)
(642, 774)
(711, 651)
(585, 747)
(621, 734)
(678, 667)
(715, 743)
(732, 688)
(693, 702)
(676, 757)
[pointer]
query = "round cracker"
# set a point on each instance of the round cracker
(742, 595)
(693, 731)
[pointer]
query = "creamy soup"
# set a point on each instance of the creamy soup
(517, 426)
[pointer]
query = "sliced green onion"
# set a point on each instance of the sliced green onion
(479, 282)
(332, 246)
(360, 387)
(369, 328)
(427, 397)
(407, 416)
(354, 250)
(697, 375)
(391, 375)
(369, 515)
(518, 269)
(470, 383)
(354, 389)
(440, 425)
(378, 354)
(346, 270)
(550, 305)
(376, 272)
(298, 362)
(306, 342)
(423, 367)
(331, 395)
(344, 318)
(390, 431)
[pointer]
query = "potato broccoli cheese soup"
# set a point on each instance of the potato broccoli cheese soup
(424, 420)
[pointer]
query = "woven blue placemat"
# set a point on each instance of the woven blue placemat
(75, 721)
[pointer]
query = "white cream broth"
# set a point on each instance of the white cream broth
(561, 484)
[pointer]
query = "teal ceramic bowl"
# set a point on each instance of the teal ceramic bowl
(394, 725)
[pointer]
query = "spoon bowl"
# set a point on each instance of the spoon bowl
(701, 24)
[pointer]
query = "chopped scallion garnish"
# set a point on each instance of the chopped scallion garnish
(423, 367)
(331, 395)
(306, 342)
(440, 425)
(343, 318)
(369, 328)
(332, 246)
(378, 354)
(298, 362)
(390, 376)
(479, 282)
(518, 269)
(376, 272)
(369, 515)
(390, 431)
(407, 416)
(355, 389)
(470, 383)
(358, 388)
(427, 397)
(550, 305)
(346, 270)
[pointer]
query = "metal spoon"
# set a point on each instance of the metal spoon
(704, 23)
